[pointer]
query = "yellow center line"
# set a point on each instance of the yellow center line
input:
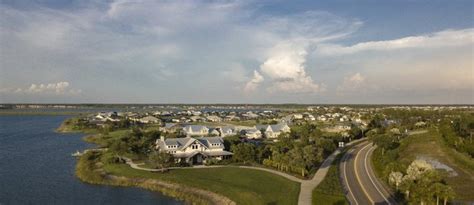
(357, 175)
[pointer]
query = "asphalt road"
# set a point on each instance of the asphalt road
(360, 183)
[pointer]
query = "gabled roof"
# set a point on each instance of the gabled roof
(227, 129)
(278, 127)
(185, 142)
(195, 128)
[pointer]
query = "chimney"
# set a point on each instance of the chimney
(162, 138)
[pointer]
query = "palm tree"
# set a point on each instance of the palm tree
(447, 193)
(395, 178)
(437, 188)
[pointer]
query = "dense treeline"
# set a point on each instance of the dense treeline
(301, 151)
(458, 133)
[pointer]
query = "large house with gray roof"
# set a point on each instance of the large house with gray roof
(193, 150)
(273, 131)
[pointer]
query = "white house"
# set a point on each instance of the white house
(193, 150)
(149, 119)
(227, 131)
(298, 116)
(193, 130)
(273, 131)
(252, 133)
(213, 118)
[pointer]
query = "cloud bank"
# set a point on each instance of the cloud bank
(129, 51)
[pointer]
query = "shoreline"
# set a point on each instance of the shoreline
(89, 170)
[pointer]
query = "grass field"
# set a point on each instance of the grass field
(330, 190)
(432, 145)
(243, 186)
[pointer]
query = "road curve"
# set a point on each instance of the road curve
(360, 183)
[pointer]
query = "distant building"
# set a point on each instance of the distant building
(227, 131)
(196, 130)
(273, 131)
(251, 133)
(149, 119)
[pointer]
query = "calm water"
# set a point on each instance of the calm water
(36, 167)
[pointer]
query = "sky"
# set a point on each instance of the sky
(303, 51)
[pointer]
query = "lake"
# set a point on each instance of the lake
(36, 167)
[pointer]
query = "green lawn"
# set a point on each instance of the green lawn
(330, 190)
(432, 145)
(244, 186)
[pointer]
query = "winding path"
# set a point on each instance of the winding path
(307, 186)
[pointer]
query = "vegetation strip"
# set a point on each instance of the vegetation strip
(90, 169)
(330, 190)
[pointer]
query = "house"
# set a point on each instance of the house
(197, 119)
(193, 150)
(170, 127)
(298, 116)
(214, 132)
(251, 133)
(227, 131)
(273, 131)
(338, 128)
(213, 118)
(193, 130)
(149, 119)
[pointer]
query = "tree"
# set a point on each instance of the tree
(447, 193)
(161, 160)
(355, 132)
(385, 142)
(437, 189)
(417, 168)
(231, 140)
(244, 152)
(395, 178)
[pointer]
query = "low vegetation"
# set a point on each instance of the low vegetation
(90, 169)
(330, 191)
(244, 186)
(396, 154)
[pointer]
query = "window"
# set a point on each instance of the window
(194, 146)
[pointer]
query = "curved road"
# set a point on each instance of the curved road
(361, 185)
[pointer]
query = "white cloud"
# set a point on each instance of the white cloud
(352, 83)
(59, 88)
(253, 84)
(446, 38)
(285, 67)
(284, 64)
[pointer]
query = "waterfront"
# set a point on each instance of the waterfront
(36, 167)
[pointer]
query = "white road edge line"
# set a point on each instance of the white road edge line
(345, 178)
(371, 180)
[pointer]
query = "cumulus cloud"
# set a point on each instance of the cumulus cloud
(59, 88)
(254, 82)
(223, 47)
(353, 82)
(284, 64)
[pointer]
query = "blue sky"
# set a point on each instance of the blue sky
(140, 51)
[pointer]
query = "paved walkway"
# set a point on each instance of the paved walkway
(307, 186)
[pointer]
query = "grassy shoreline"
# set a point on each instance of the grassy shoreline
(90, 169)
(208, 186)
